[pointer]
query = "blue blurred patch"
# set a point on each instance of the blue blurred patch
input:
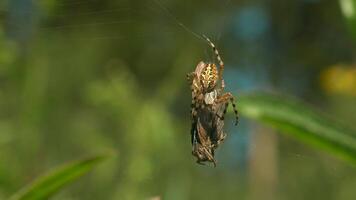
(236, 146)
(251, 23)
(21, 19)
(239, 79)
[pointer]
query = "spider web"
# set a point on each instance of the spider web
(105, 19)
(35, 20)
(111, 30)
(98, 18)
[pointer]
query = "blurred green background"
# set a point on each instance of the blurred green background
(87, 76)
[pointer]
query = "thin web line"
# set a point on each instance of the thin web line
(177, 21)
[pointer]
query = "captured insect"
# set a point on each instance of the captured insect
(208, 108)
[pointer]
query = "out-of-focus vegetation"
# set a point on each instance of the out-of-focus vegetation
(287, 115)
(81, 77)
(46, 186)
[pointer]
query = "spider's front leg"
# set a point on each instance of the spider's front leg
(191, 77)
(222, 84)
(225, 98)
(192, 80)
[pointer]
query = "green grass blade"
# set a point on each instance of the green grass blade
(301, 122)
(47, 185)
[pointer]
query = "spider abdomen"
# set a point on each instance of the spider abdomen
(209, 76)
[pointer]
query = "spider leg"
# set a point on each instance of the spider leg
(194, 114)
(225, 98)
(221, 63)
(195, 94)
(190, 77)
(222, 86)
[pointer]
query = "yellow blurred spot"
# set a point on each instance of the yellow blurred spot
(339, 79)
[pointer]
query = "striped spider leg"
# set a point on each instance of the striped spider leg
(225, 99)
(227, 96)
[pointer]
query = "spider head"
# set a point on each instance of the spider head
(209, 77)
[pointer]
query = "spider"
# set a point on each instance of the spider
(208, 108)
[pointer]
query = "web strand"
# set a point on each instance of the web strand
(177, 21)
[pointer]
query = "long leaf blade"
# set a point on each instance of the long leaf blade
(47, 185)
(301, 122)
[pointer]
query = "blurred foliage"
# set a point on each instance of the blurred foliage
(339, 79)
(46, 186)
(299, 120)
(348, 8)
(81, 77)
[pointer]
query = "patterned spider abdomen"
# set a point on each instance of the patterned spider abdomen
(209, 77)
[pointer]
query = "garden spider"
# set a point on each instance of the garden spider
(208, 108)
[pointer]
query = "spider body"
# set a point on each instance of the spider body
(209, 77)
(209, 105)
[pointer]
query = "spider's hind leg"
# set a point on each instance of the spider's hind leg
(225, 98)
